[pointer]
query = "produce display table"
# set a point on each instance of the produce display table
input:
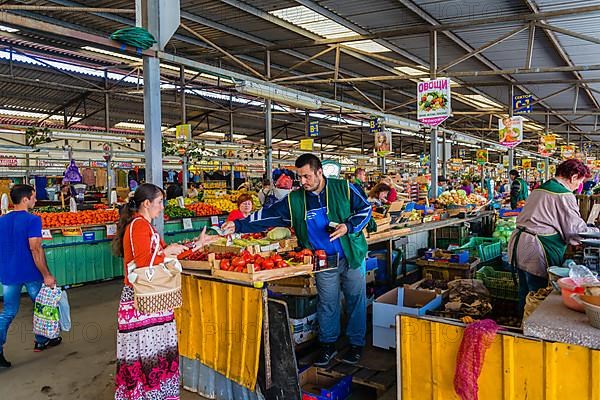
(388, 237)
(553, 321)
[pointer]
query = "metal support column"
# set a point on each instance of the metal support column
(152, 110)
(110, 173)
(185, 160)
(547, 169)
(268, 125)
(444, 157)
(433, 152)
(511, 152)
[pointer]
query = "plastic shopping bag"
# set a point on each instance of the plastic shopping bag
(64, 312)
(45, 312)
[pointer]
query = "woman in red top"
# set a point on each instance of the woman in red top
(245, 205)
(147, 355)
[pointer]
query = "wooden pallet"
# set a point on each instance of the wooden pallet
(380, 381)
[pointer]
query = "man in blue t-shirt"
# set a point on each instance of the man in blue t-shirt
(23, 263)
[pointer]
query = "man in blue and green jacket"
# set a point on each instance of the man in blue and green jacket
(309, 211)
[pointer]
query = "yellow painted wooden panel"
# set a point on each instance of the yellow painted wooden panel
(515, 368)
(220, 325)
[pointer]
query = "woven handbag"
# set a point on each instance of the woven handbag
(157, 288)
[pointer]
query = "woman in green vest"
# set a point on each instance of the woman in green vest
(548, 222)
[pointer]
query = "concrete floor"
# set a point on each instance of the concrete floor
(83, 366)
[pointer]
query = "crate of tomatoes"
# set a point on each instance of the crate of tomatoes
(263, 267)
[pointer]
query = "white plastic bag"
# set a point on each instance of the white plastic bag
(64, 312)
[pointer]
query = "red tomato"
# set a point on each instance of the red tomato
(225, 265)
(258, 261)
(238, 263)
(276, 258)
(268, 264)
(247, 256)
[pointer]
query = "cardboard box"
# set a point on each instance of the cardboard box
(319, 387)
(304, 329)
(403, 300)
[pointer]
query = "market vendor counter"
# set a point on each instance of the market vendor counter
(87, 256)
(553, 321)
(515, 366)
(397, 237)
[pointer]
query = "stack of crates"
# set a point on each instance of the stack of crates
(450, 236)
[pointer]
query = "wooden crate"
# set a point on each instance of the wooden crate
(215, 248)
(263, 276)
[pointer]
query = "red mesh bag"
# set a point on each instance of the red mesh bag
(478, 337)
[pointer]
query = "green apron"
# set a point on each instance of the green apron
(553, 244)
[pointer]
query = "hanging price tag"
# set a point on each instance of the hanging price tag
(46, 234)
(214, 220)
(187, 224)
(111, 231)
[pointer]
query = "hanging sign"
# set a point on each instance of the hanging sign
(383, 143)
(313, 129)
(481, 156)
(522, 103)
(462, 153)
(433, 101)
(552, 169)
(99, 164)
(375, 124)
(526, 163)
(424, 160)
(567, 151)
(510, 131)
(541, 166)
(183, 132)
(505, 161)
(306, 144)
(331, 169)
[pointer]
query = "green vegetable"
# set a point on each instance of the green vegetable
(279, 234)
(178, 212)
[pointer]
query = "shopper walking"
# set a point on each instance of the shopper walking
(310, 211)
(23, 263)
(147, 354)
(519, 190)
(548, 222)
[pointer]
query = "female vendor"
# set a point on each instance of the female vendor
(549, 221)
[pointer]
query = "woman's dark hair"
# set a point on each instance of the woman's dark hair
(572, 167)
(145, 191)
(380, 187)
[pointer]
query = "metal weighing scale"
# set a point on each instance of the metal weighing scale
(591, 250)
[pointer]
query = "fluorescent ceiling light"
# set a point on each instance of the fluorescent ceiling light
(138, 126)
(411, 71)
(284, 141)
(480, 101)
(325, 27)
(282, 95)
(8, 29)
(221, 135)
(33, 115)
(353, 149)
(90, 136)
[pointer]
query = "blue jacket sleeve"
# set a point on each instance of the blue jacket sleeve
(278, 214)
(361, 211)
